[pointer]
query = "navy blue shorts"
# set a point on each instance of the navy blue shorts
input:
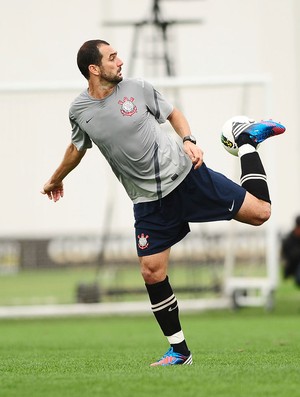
(203, 196)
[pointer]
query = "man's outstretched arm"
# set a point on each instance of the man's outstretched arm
(182, 128)
(54, 187)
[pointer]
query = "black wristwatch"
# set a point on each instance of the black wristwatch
(190, 138)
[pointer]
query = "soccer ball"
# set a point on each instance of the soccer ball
(227, 138)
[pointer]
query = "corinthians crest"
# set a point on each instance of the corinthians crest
(128, 108)
(143, 241)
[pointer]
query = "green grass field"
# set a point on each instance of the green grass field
(59, 285)
(245, 353)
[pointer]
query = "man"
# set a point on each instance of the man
(291, 253)
(167, 180)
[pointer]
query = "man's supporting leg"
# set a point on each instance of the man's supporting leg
(164, 306)
(163, 301)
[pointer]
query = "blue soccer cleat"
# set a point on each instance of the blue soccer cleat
(258, 132)
(173, 358)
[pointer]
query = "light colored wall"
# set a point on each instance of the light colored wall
(39, 41)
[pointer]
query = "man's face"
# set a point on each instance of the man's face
(111, 65)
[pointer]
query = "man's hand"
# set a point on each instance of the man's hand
(194, 153)
(54, 187)
(54, 191)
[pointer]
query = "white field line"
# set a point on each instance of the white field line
(105, 309)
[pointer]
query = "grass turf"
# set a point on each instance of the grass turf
(47, 286)
(244, 353)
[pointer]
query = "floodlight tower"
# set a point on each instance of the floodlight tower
(161, 31)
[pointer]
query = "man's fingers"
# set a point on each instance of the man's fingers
(197, 163)
(197, 158)
(195, 154)
(54, 195)
(57, 194)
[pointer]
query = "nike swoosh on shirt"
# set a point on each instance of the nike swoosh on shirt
(88, 120)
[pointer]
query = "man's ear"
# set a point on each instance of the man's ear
(94, 69)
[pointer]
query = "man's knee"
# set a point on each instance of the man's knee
(254, 211)
(154, 267)
(263, 214)
(152, 272)
(148, 271)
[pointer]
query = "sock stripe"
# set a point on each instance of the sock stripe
(249, 177)
(163, 304)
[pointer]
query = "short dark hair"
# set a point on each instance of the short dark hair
(89, 54)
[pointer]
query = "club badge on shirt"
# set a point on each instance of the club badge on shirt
(128, 108)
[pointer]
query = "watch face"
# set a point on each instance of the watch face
(190, 138)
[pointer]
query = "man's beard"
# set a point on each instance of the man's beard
(111, 79)
(115, 79)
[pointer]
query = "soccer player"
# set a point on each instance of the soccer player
(166, 179)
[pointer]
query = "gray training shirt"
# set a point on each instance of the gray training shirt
(150, 163)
